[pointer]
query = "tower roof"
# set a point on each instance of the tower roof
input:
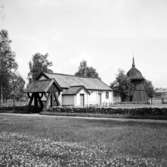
(134, 73)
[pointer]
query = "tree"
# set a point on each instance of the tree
(149, 89)
(17, 87)
(122, 86)
(39, 64)
(7, 63)
(86, 71)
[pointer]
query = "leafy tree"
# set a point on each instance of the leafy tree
(86, 71)
(149, 89)
(122, 86)
(7, 63)
(39, 64)
(17, 86)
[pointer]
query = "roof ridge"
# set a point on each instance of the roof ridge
(43, 80)
(70, 75)
(89, 83)
(76, 85)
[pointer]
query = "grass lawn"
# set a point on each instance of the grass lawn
(50, 141)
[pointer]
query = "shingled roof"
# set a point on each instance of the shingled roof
(67, 81)
(134, 73)
(40, 86)
(74, 90)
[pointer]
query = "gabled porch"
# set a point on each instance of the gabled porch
(43, 94)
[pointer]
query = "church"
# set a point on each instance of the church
(55, 89)
(137, 80)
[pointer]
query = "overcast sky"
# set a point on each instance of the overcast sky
(106, 33)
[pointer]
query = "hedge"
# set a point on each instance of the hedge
(98, 110)
(144, 111)
(19, 109)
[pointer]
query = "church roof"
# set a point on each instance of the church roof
(67, 81)
(40, 86)
(134, 73)
(74, 90)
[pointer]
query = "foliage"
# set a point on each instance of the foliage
(86, 71)
(23, 150)
(122, 86)
(24, 109)
(39, 63)
(149, 88)
(142, 111)
(7, 64)
(129, 111)
(17, 86)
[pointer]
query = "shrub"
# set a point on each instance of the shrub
(145, 111)
(19, 109)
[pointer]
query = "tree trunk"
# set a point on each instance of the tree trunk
(1, 95)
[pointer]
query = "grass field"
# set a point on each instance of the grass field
(51, 141)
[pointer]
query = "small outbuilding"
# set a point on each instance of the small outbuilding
(160, 96)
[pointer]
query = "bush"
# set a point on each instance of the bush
(145, 111)
(19, 109)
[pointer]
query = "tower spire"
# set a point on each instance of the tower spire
(133, 62)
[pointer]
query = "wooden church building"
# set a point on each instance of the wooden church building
(54, 89)
(138, 94)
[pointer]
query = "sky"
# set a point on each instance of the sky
(105, 33)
